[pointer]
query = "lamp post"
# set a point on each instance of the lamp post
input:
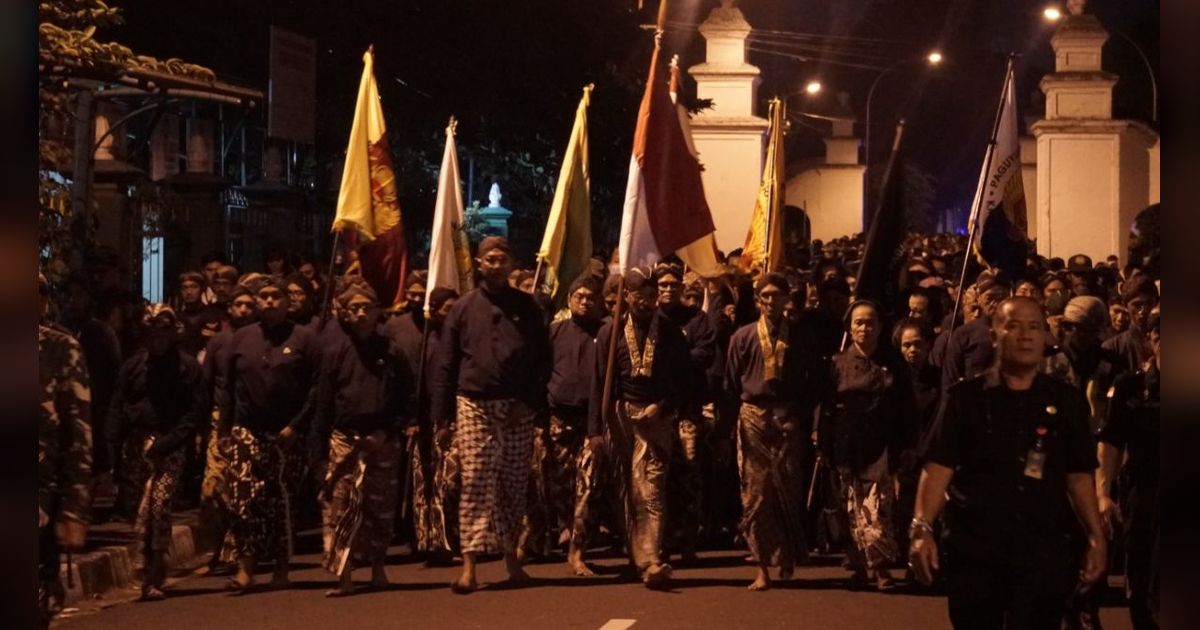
(1053, 14)
(934, 58)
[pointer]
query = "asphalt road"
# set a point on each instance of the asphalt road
(710, 595)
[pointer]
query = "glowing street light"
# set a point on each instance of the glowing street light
(934, 58)
(1052, 14)
(813, 87)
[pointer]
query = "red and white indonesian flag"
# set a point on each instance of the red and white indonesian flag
(368, 213)
(449, 252)
(665, 208)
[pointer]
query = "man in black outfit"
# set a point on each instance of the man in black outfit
(686, 482)
(1013, 450)
(1132, 428)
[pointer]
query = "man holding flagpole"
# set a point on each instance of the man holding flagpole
(665, 212)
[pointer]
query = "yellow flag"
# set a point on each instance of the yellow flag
(367, 197)
(368, 212)
(764, 240)
(567, 243)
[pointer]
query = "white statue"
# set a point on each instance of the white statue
(494, 196)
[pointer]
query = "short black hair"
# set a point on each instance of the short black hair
(214, 256)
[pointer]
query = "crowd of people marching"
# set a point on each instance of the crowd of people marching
(1007, 447)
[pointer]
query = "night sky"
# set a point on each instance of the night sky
(511, 70)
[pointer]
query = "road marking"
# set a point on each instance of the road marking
(618, 624)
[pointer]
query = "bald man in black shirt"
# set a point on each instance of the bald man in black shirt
(1013, 451)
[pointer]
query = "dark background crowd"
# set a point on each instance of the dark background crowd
(1099, 316)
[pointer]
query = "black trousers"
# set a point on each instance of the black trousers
(1141, 566)
(986, 595)
(50, 590)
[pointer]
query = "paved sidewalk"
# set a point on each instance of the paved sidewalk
(113, 557)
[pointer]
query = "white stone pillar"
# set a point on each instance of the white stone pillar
(1029, 182)
(728, 136)
(1093, 171)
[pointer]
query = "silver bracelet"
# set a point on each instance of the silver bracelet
(919, 523)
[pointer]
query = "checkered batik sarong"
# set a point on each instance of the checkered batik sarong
(772, 521)
(494, 448)
(870, 500)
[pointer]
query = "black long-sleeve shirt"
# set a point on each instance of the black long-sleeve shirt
(407, 331)
(494, 346)
(869, 408)
(216, 361)
(669, 373)
(968, 351)
(162, 396)
(364, 385)
(271, 374)
(701, 340)
(797, 388)
(573, 345)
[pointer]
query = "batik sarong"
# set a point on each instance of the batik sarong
(362, 486)
(154, 511)
(772, 518)
(494, 447)
(557, 451)
(870, 499)
(262, 482)
(649, 458)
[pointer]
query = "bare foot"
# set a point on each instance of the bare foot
(340, 591)
(463, 585)
(785, 573)
(575, 561)
(657, 577)
(516, 573)
(580, 568)
(762, 582)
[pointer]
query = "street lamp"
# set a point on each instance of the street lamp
(1054, 14)
(813, 87)
(934, 58)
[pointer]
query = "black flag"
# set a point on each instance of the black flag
(883, 254)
